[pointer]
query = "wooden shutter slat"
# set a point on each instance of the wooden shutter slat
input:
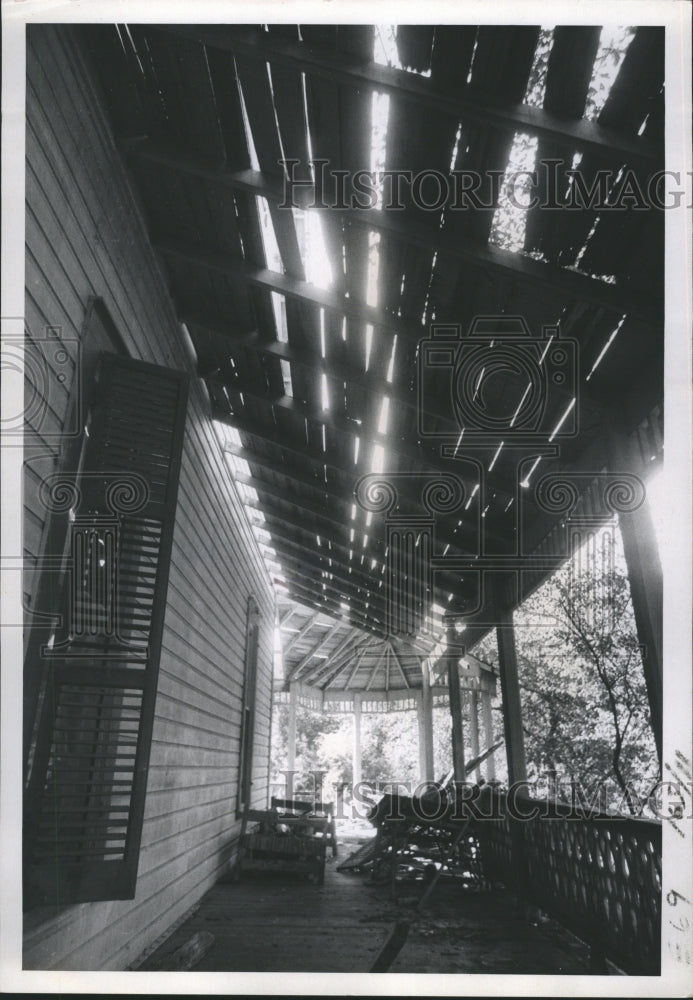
(86, 792)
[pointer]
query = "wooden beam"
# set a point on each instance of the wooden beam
(404, 228)
(293, 528)
(333, 597)
(340, 67)
(376, 667)
(646, 590)
(425, 726)
(291, 735)
(331, 532)
(487, 710)
(300, 557)
(512, 706)
(454, 536)
(399, 665)
(340, 659)
(455, 704)
(319, 645)
(302, 632)
(369, 381)
(367, 648)
(290, 288)
(474, 729)
(321, 523)
(494, 259)
(367, 605)
(287, 617)
(343, 666)
(356, 749)
(308, 595)
(644, 569)
(315, 671)
(338, 584)
(426, 458)
(510, 264)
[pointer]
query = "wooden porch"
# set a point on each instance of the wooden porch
(280, 923)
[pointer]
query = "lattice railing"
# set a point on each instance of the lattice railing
(598, 874)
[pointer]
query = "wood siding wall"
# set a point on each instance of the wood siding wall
(85, 237)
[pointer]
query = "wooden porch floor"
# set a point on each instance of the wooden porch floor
(280, 923)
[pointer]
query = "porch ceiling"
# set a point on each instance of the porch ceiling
(294, 368)
(332, 656)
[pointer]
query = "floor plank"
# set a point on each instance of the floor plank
(275, 922)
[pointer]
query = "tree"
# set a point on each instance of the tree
(585, 706)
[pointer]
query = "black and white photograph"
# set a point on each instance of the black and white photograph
(346, 454)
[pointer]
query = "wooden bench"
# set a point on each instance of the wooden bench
(305, 807)
(282, 843)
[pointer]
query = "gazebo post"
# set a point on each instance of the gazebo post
(487, 712)
(356, 749)
(474, 729)
(510, 688)
(455, 701)
(425, 720)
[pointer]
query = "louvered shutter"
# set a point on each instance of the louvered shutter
(86, 793)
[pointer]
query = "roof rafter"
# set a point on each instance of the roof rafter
(343, 649)
(448, 530)
(343, 68)
(303, 631)
(583, 287)
(426, 458)
(356, 579)
(447, 582)
(321, 601)
(338, 592)
(319, 645)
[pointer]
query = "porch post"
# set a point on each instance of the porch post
(455, 701)
(510, 688)
(645, 579)
(644, 573)
(291, 738)
(425, 720)
(474, 729)
(487, 711)
(356, 749)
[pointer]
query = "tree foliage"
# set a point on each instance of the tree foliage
(585, 708)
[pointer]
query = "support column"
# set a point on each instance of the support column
(510, 688)
(455, 700)
(487, 711)
(645, 579)
(356, 749)
(291, 738)
(474, 729)
(644, 572)
(425, 720)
